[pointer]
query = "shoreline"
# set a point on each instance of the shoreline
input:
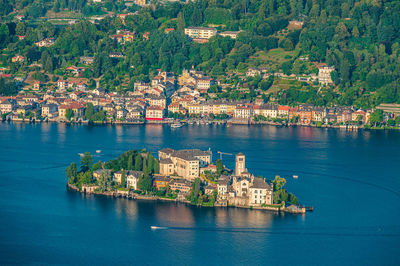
(134, 196)
(215, 122)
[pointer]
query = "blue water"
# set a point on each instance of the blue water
(351, 178)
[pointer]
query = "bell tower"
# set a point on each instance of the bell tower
(240, 166)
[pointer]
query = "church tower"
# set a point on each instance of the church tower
(240, 166)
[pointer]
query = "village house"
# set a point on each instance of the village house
(121, 113)
(306, 116)
(134, 114)
(161, 182)
(132, 179)
(260, 192)
(266, 110)
(76, 108)
(45, 42)
(97, 173)
(87, 60)
(155, 113)
(18, 58)
(243, 112)
(7, 106)
(283, 111)
(231, 34)
(168, 30)
(49, 110)
(324, 74)
(37, 85)
(200, 32)
(155, 100)
(182, 186)
(222, 188)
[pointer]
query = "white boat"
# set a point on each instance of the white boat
(176, 125)
(295, 176)
(80, 154)
(157, 227)
(98, 151)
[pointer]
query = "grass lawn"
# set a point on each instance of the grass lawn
(273, 58)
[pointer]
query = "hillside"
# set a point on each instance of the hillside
(359, 38)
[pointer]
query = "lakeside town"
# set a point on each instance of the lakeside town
(189, 97)
(188, 176)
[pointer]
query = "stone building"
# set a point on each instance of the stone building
(183, 163)
(240, 164)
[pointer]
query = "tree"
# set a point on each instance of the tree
(123, 179)
(279, 183)
(89, 111)
(97, 166)
(72, 172)
(138, 162)
(105, 182)
(220, 166)
(8, 87)
(20, 29)
(376, 117)
(195, 191)
(69, 114)
(86, 162)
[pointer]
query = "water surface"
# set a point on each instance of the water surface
(351, 178)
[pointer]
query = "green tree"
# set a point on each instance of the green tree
(279, 183)
(220, 166)
(97, 166)
(72, 172)
(195, 191)
(376, 117)
(86, 161)
(89, 111)
(105, 182)
(138, 162)
(69, 114)
(123, 179)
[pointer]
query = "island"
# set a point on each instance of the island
(187, 176)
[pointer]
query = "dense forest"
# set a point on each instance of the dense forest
(360, 38)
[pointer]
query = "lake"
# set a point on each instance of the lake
(351, 178)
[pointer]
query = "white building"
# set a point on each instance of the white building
(200, 32)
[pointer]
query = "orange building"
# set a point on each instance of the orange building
(160, 182)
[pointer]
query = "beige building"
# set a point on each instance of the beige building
(231, 34)
(243, 112)
(260, 192)
(49, 109)
(155, 113)
(7, 106)
(200, 32)
(240, 164)
(132, 179)
(183, 186)
(324, 74)
(77, 109)
(183, 163)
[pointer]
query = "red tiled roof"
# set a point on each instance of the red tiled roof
(283, 108)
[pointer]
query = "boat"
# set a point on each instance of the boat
(80, 154)
(157, 227)
(176, 125)
(98, 151)
(295, 176)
